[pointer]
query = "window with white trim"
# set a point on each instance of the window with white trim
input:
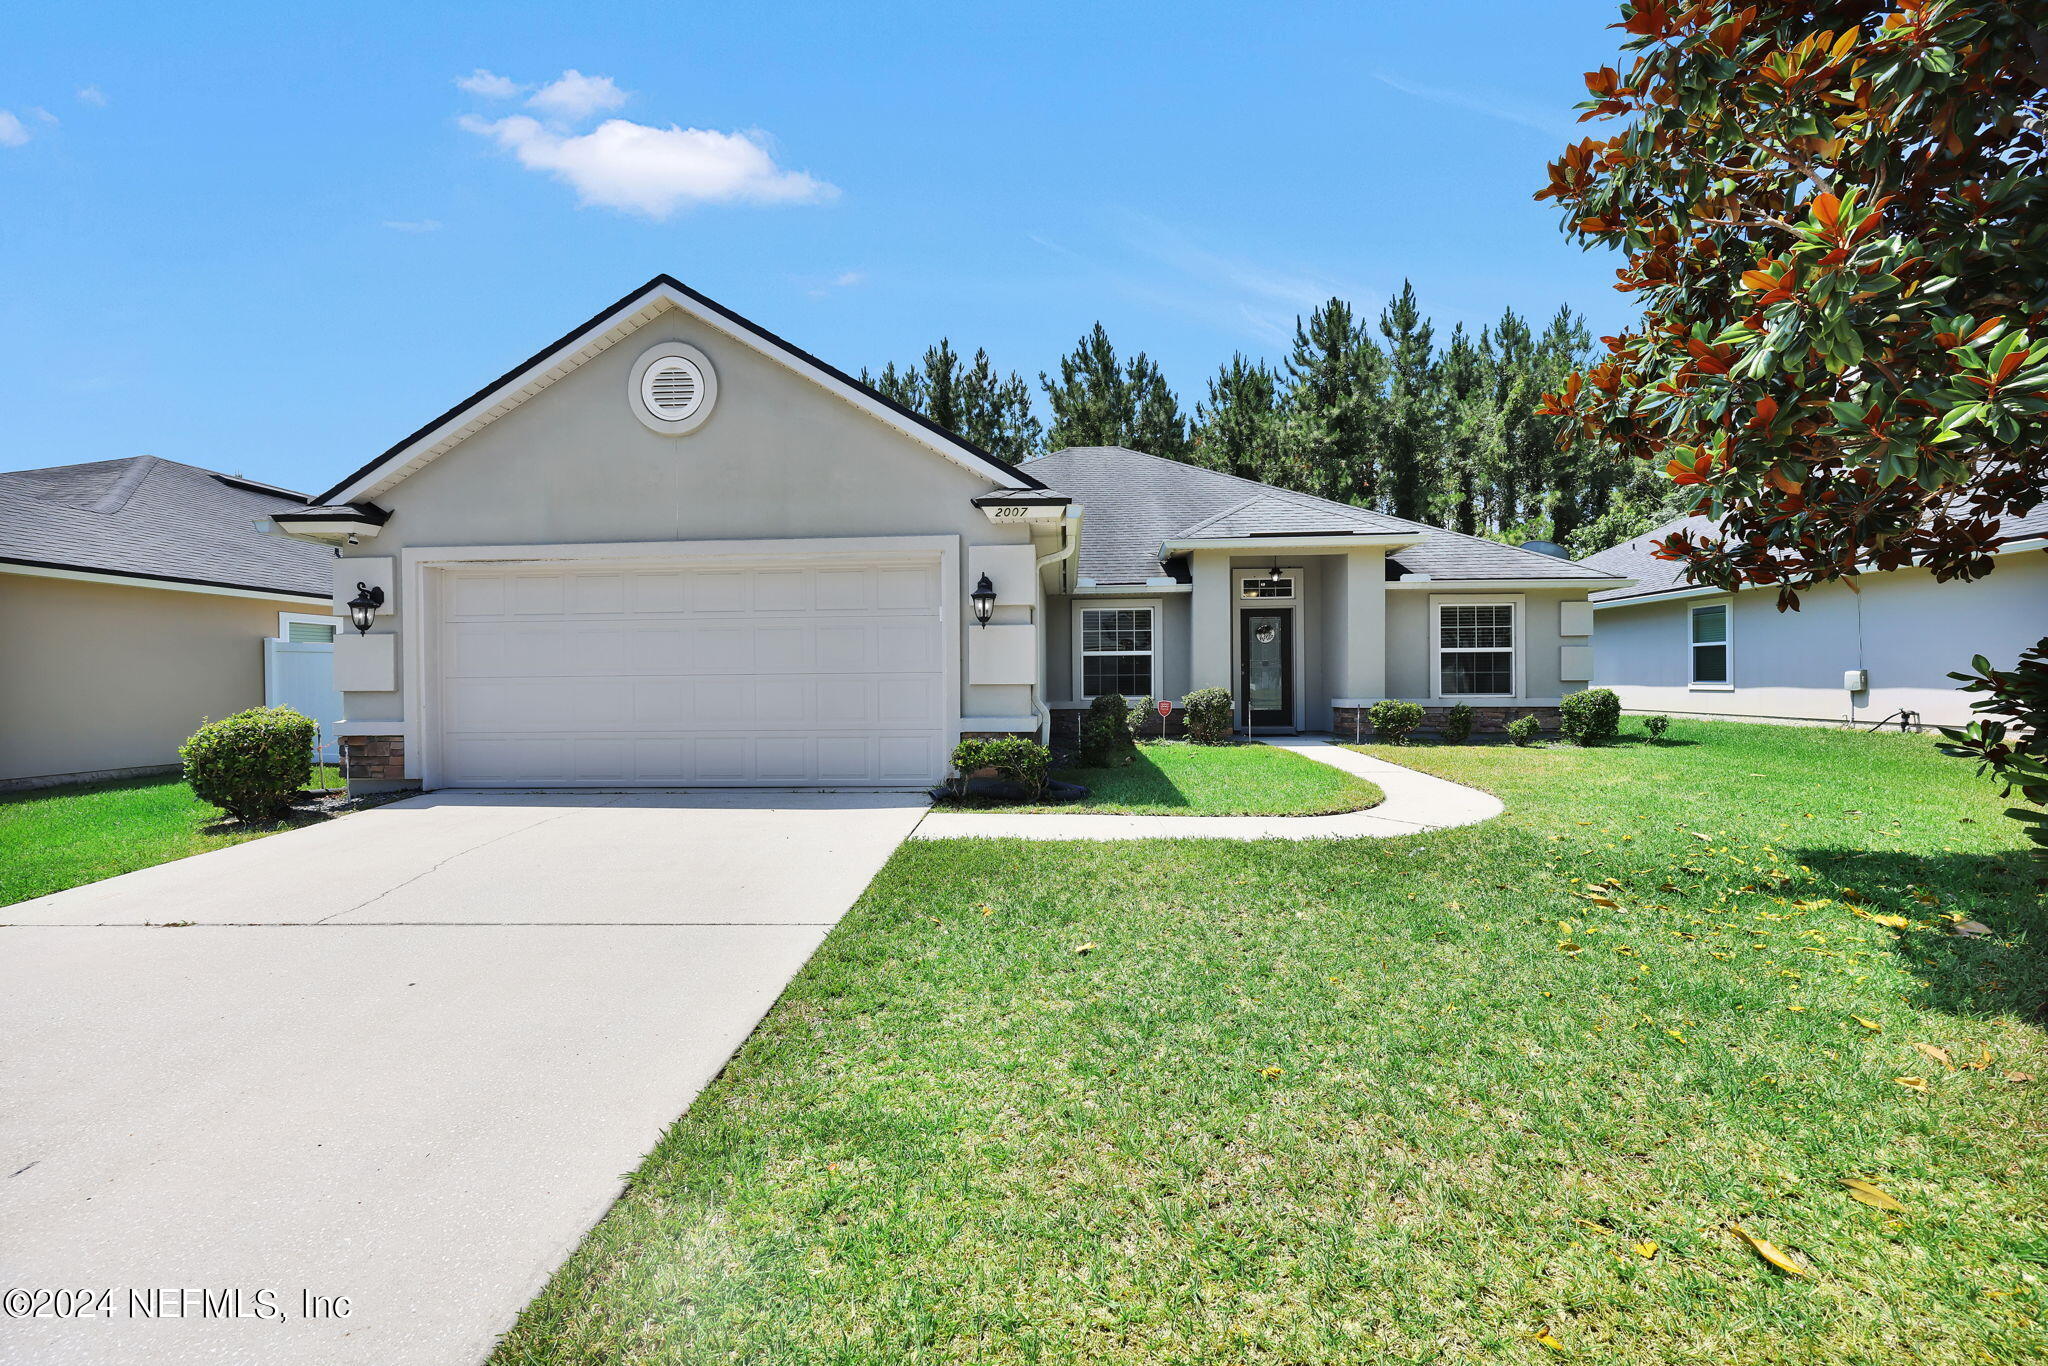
(1266, 586)
(1475, 649)
(1710, 645)
(1116, 651)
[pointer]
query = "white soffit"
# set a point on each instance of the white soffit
(603, 334)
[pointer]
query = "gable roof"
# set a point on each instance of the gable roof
(1135, 502)
(157, 519)
(609, 326)
(1636, 558)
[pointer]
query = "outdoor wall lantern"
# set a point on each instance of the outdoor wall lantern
(1273, 574)
(984, 599)
(362, 608)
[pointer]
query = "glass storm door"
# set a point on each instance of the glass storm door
(1267, 652)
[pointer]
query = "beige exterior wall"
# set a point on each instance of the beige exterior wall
(780, 457)
(97, 676)
(1904, 629)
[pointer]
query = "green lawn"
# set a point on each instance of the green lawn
(1174, 778)
(58, 837)
(1398, 1100)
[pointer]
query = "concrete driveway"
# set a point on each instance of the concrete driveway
(400, 1060)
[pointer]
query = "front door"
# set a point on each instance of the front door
(1266, 649)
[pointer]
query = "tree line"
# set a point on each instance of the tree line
(1376, 413)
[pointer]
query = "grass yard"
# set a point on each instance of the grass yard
(1174, 778)
(58, 837)
(1491, 1094)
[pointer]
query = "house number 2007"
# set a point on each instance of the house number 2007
(1002, 513)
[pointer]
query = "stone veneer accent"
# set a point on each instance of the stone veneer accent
(1349, 721)
(374, 758)
(1066, 726)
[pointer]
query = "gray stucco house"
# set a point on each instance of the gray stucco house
(673, 548)
(1847, 656)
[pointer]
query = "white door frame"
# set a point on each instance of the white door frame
(420, 608)
(1239, 605)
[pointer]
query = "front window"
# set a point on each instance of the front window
(1116, 651)
(1476, 649)
(1710, 646)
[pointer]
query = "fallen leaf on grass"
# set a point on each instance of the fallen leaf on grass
(1548, 1341)
(1863, 1191)
(1912, 1083)
(1983, 1061)
(1892, 922)
(1269, 1072)
(1084, 948)
(2019, 1078)
(1872, 1027)
(1644, 1250)
(1933, 1054)
(1769, 1252)
(1599, 900)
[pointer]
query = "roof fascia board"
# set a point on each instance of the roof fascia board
(34, 569)
(599, 335)
(1520, 585)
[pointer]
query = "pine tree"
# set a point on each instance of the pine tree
(1412, 408)
(970, 400)
(1098, 401)
(1242, 429)
(1335, 372)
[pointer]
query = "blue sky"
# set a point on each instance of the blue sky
(274, 242)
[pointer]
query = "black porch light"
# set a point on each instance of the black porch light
(984, 599)
(1273, 574)
(362, 608)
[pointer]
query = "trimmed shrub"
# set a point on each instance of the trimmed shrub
(1106, 738)
(1142, 714)
(1523, 730)
(1394, 721)
(1590, 717)
(970, 756)
(1207, 714)
(1022, 760)
(1655, 726)
(251, 763)
(1457, 724)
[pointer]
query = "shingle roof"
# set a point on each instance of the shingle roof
(157, 519)
(1135, 501)
(1634, 559)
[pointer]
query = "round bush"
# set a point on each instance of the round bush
(1655, 726)
(251, 763)
(1106, 738)
(1523, 730)
(1589, 717)
(1207, 714)
(1393, 722)
(1457, 724)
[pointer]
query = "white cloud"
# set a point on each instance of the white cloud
(13, 132)
(489, 84)
(91, 94)
(413, 224)
(575, 97)
(845, 279)
(1509, 113)
(654, 171)
(41, 113)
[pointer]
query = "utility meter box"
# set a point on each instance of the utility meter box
(1856, 680)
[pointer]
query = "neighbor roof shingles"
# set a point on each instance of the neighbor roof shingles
(156, 519)
(1133, 502)
(1634, 559)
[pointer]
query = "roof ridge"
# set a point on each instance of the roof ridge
(1230, 511)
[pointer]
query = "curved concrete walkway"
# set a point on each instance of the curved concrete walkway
(1415, 802)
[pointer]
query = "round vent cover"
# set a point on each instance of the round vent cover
(673, 388)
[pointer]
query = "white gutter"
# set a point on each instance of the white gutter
(1070, 541)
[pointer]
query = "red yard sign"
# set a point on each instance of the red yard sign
(1165, 708)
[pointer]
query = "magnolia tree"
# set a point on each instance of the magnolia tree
(1834, 217)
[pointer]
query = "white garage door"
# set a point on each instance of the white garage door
(785, 673)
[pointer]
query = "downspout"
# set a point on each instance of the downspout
(1069, 543)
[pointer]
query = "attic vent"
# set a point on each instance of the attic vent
(673, 388)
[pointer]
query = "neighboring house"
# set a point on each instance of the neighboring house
(136, 600)
(672, 548)
(1851, 656)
